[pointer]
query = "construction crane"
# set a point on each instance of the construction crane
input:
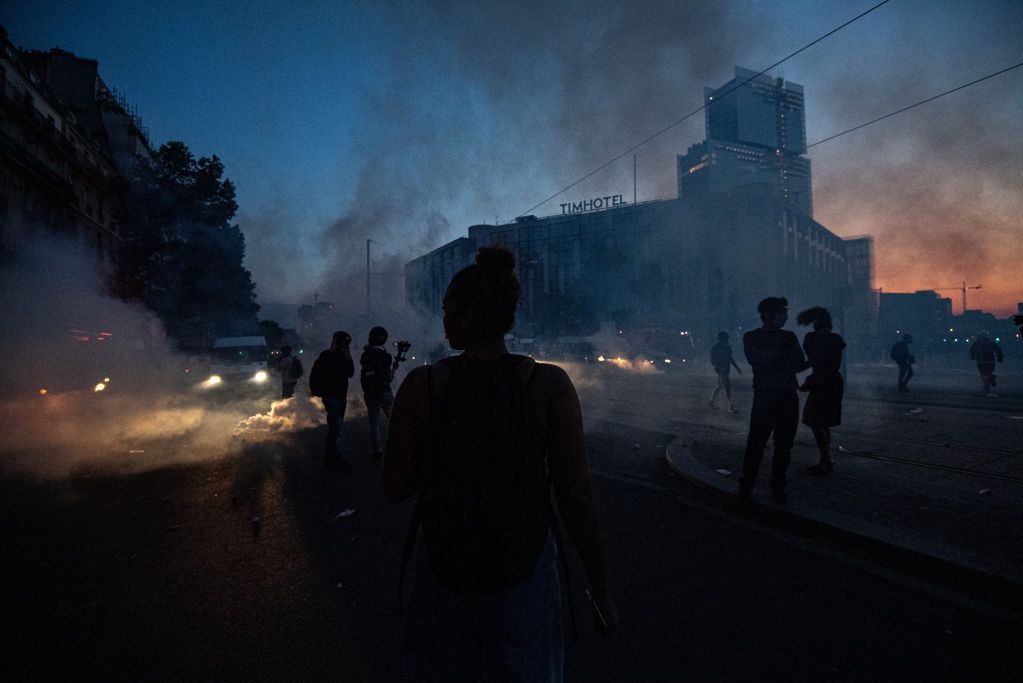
(962, 288)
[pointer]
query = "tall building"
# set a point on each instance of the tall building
(756, 133)
(54, 175)
(697, 264)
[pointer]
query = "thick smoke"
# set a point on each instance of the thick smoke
(63, 338)
(485, 109)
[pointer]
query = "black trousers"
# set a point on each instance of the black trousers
(774, 412)
(905, 374)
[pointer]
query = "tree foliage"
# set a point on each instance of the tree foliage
(183, 255)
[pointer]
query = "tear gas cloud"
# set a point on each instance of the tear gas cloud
(496, 106)
(62, 335)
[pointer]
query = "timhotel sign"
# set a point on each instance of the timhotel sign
(593, 204)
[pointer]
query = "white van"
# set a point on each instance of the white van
(238, 361)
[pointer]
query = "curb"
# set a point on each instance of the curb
(1006, 590)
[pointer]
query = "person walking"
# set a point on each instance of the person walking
(986, 352)
(723, 361)
(775, 357)
(823, 407)
(328, 379)
(904, 359)
(290, 368)
(480, 438)
(376, 376)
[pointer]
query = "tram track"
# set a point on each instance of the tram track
(931, 465)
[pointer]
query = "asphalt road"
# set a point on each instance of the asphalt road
(163, 575)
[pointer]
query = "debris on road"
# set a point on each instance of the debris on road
(723, 471)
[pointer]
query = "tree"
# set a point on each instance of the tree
(183, 255)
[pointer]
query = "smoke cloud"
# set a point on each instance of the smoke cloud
(488, 108)
(63, 337)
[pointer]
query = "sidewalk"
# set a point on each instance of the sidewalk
(959, 524)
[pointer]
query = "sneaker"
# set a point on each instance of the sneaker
(779, 497)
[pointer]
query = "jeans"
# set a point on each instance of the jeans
(514, 635)
(777, 412)
(335, 419)
(375, 404)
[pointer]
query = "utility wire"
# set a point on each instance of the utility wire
(739, 174)
(899, 111)
(704, 106)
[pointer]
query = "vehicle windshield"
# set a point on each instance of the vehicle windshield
(240, 354)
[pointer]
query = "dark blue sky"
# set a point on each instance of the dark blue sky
(406, 122)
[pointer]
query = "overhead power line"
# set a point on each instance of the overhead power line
(912, 106)
(632, 149)
(739, 174)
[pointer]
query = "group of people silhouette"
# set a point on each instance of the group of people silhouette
(777, 357)
(490, 444)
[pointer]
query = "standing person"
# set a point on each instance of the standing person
(723, 362)
(329, 380)
(376, 376)
(290, 368)
(904, 359)
(775, 357)
(986, 351)
(475, 436)
(823, 407)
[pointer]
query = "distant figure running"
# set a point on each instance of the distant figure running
(986, 352)
(723, 362)
(481, 437)
(904, 359)
(775, 357)
(823, 408)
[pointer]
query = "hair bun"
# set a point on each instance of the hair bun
(495, 260)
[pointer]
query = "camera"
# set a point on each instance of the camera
(403, 347)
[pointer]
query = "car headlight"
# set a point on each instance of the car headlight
(213, 381)
(668, 361)
(261, 376)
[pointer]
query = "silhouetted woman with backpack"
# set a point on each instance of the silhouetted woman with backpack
(480, 439)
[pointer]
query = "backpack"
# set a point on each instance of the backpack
(374, 372)
(485, 504)
(296, 367)
(317, 379)
(898, 353)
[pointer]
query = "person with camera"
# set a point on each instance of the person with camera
(481, 439)
(377, 373)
